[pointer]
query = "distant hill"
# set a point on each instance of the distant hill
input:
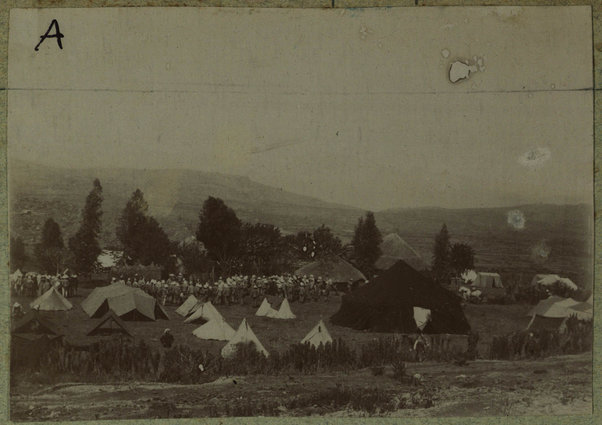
(175, 198)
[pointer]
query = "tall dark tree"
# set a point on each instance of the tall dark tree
(17, 253)
(219, 230)
(442, 256)
(366, 243)
(461, 258)
(141, 236)
(50, 250)
(326, 243)
(263, 249)
(84, 244)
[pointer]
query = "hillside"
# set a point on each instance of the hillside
(562, 232)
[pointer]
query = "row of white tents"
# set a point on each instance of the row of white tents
(216, 327)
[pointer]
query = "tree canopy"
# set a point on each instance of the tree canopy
(50, 250)
(84, 244)
(142, 237)
(442, 256)
(219, 230)
(366, 243)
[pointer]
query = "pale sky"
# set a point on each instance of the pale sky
(353, 107)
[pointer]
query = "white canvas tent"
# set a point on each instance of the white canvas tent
(215, 329)
(51, 300)
(285, 311)
(554, 311)
(265, 309)
(318, 335)
(204, 312)
(244, 334)
(187, 306)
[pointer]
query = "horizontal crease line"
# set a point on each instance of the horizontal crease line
(324, 93)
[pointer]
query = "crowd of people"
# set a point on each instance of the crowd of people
(35, 284)
(236, 289)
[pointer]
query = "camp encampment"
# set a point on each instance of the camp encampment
(387, 304)
(128, 303)
(318, 335)
(393, 249)
(265, 309)
(552, 312)
(203, 312)
(333, 268)
(244, 335)
(187, 306)
(216, 329)
(285, 312)
(109, 324)
(51, 300)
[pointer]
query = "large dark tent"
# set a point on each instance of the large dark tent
(387, 304)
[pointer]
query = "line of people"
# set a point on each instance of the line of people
(236, 289)
(33, 284)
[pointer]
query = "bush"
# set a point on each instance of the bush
(399, 369)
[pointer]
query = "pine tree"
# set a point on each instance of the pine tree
(50, 250)
(442, 256)
(84, 244)
(17, 253)
(366, 243)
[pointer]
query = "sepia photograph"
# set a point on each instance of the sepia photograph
(341, 213)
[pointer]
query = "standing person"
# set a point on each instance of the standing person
(167, 339)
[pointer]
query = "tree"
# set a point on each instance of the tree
(326, 243)
(264, 250)
(366, 243)
(84, 244)
(193, 255)
(219, 230)
(50, 250)
(442, 256)
(142, 237)
(17, 253)
(461, 258)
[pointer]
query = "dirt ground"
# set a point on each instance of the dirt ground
(556, 385)
(553, 386)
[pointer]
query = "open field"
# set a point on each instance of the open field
(552, 386)
(556, 385)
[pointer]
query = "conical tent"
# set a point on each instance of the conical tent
(187, 306)
(334, 268)
(204, 312)
(285, 311)
(264, 308)
(51, 300)
(215, 329)
(244, 335)
(387, 303)
(128, 303)
(393, 249)
(318, 335)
